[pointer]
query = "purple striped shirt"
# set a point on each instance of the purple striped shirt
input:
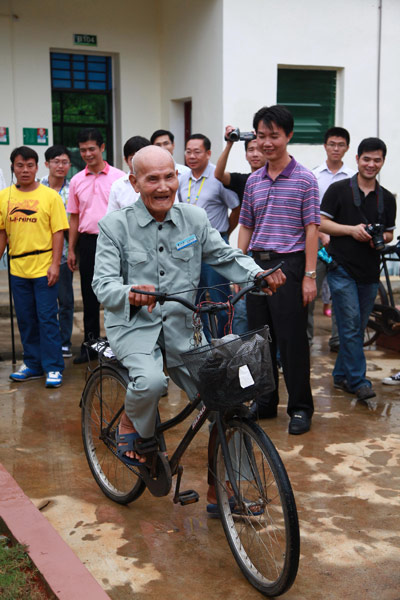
(279, 210)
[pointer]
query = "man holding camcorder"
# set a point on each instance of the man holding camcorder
(359, 215)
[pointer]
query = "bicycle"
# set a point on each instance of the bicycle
(385, 317)
(254, 496)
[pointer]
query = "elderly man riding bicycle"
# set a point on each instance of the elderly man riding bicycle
(155, 244)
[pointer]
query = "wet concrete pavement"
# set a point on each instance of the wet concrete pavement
(345, 473)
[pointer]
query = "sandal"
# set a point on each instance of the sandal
(126, 442)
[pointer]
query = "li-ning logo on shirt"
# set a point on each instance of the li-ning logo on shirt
(27, 208)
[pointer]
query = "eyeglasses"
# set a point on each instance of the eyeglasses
(341, 145)
(57, 162)
(194, 152)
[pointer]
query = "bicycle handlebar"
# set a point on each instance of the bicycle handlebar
(259, 282)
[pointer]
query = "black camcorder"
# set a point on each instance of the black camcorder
(235, 135)
(375, 230)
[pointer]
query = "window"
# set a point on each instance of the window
(80, 72)
(310, 95)
(81, 97)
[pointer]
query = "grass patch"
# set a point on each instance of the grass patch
(19, 579)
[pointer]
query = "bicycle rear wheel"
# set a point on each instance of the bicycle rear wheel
(103, 396)
(266, 546)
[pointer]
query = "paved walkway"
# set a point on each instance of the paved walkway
(345, 474)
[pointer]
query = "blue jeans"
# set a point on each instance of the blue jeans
(36, 309)
(352, 303)
(208, 278)
(65, 304)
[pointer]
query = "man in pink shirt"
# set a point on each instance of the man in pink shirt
(88, 199)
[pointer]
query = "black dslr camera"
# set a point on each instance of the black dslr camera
(375, 230)
(235, 135)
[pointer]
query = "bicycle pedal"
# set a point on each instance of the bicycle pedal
(188, 497)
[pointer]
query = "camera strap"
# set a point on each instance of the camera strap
(357, 199)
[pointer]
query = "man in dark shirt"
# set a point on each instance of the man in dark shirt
(237, 181)
(347, 207)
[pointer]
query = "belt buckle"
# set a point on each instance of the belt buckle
(265, 255)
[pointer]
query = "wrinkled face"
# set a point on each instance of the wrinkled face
(163, 141)
(272, 141)
(59, 166)
(335, 148)
(157, 182)
(370, 163)
(197, 156)
(91, 153)
(254, 156)
(25, 170)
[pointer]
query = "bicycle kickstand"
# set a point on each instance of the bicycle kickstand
(186, 497)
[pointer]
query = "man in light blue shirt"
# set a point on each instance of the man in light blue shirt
(336, 144)
(200, 188)
(58, 161)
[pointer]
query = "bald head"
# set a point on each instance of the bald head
(150, 157)
(154, 177)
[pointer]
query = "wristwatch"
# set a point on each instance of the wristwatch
(311, 274)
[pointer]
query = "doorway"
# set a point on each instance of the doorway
(81, 94)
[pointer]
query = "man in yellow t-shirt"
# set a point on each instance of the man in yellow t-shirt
(33, 220)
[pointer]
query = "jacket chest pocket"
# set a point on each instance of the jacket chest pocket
(184, 255)
(136, 260)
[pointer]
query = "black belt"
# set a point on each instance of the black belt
(30, 253)
(271, 254)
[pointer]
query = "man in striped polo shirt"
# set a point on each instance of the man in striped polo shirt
(279, 221)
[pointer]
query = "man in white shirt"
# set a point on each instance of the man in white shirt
(122, 192)
(165, 139)
(336, 144)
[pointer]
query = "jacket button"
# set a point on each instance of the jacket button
(164, 318)
(161, 248)
(159, 227)
(162, 272)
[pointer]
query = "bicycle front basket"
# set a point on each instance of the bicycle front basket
(228, 373)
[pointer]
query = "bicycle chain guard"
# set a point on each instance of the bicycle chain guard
(159, 485)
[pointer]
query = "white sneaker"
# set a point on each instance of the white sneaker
(392, 380)
(53, 379)
(66, 351)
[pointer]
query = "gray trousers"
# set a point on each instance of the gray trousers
(334, 339)
(148, 383)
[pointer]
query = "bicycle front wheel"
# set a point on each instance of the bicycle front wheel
(263, 533)
(103, 396)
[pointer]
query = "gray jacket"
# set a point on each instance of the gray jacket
(133, 248)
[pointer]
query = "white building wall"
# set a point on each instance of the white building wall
(127, 31)
(260, 35)
(191, 68)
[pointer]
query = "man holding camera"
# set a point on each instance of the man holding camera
(200, 188)
(359, 215)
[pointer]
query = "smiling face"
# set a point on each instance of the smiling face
(59, 166)
(254, 156)
(370, 163)
(155, 179)
(272, 141)
(92, 154)
(197, 156)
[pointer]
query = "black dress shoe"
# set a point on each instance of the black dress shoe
(299, 423)
(263, 412)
